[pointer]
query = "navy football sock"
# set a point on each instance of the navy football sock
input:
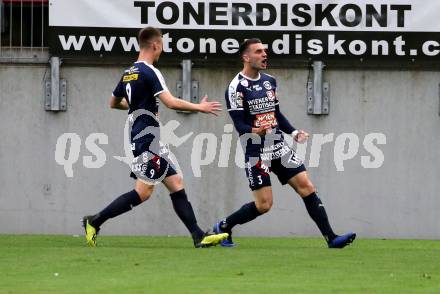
(120, 205)
(185, 212)
(245, 214)
(316, 210)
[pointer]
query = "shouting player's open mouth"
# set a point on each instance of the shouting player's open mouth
(264, 62)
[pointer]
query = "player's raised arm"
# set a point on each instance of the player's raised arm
(204, 106)
(118, 103)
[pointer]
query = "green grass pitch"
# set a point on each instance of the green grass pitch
(63, 264)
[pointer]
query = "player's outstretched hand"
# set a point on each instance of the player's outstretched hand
(301, 136)
(209, 106)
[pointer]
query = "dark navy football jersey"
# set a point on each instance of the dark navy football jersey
(257, 102)
(140, 85)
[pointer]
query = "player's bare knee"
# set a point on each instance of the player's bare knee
(306, 189)
(264, 206)
(178, 183)
(144, 195)
(174, 183)
(144, 191)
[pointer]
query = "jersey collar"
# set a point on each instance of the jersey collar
(248, 78)
(142, 61)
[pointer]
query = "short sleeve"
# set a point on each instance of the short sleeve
(158, 82)
(119, 91)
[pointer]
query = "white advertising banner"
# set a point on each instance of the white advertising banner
(402, 30)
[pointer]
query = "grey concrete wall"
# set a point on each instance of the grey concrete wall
(397, 200)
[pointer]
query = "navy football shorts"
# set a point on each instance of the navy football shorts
(151, 167)
(285, 167)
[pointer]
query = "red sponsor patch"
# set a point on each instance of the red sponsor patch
(265, 119)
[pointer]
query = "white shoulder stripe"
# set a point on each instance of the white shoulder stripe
(269, 75)
(234, 83)
(158, 75)
(232, 93)
(161, 79)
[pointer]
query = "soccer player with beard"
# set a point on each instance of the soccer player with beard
(253, 105)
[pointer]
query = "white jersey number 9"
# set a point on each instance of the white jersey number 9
(128, 90)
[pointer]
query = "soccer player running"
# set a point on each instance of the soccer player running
(139, 91)
(253, 105)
